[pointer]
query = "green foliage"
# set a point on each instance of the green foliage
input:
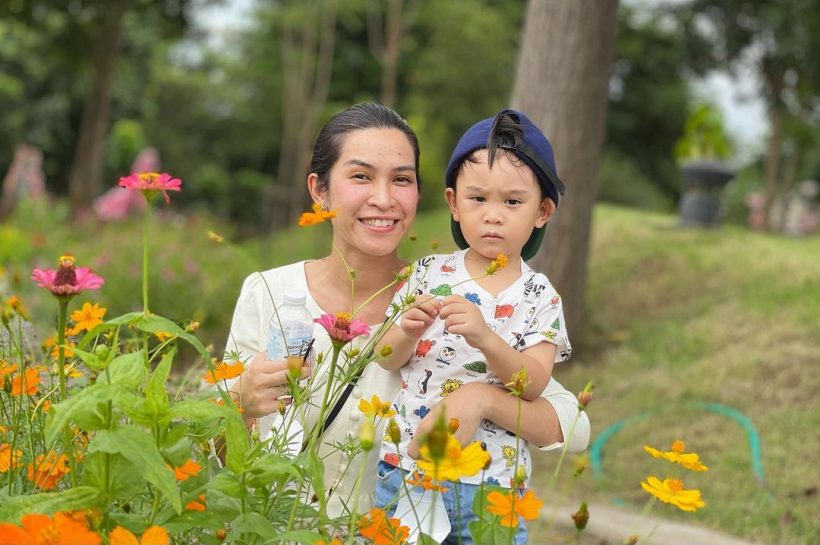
(621, 182)
(704, 136)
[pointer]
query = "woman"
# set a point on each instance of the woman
(365, 167)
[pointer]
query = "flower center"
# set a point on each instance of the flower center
(343, 321)
(674, 484)
(678, 446)
(65, 274)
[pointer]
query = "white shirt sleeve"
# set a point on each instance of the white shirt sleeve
(574, 423)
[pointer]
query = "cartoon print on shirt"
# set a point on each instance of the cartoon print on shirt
(392, 458)
(446, 355)
(556, 324)
(424, 347)
(473, 298)
(549, 335)
(487, 425)
(404, 384)
(509, 452)
(555, 300)
(476, 366)
(450, 385)
(424, 380)
(442, 290)
(502, 311)
(531, 287)
(449, 265)
(421, 412)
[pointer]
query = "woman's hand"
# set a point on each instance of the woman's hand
(465, 405)
(261, 385)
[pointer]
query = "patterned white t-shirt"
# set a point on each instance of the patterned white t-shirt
(526, 313)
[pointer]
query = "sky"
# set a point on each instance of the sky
(736, 95)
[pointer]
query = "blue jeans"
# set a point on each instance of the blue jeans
(389, 485)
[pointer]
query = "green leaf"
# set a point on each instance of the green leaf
(123, 478)
(202, 410)
(90, 359)
(489, 532)
(269, 468)
(105, 326)
(228, 484)
(156, 397)
(153, 323)
(80, 497)
(424, 539)
(128, 369)
(84, 406)
(315, 470)
(139, 448)
(236, 443)
(254, 523)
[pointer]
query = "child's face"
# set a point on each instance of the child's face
(497, 208)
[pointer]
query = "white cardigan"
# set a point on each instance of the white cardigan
(249, 333)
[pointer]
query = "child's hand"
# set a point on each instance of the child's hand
(415, 321)
(464, 318)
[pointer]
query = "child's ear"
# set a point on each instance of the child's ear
(450, 195)
(546, 210)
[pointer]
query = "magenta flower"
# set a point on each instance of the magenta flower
(151, 182)
(67, 280)
(342, 328)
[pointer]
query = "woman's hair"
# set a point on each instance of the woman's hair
(367, 115)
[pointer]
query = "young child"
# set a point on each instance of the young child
(469, 327)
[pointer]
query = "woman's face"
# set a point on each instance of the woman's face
(373, 188)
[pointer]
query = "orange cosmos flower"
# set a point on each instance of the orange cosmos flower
(509, 507)
(196, 505)
(155, 535)
(381, 530)
(424, 481)
(187, 470)
(45, 530)
(6, 369)
(50, 344)
(16, 304)
(318, 215)
(224, 371)
(86, 318)
(47, 470)
(27, 383)
(9, 458)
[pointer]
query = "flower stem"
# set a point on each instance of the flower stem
(146, 227)
(60, 345)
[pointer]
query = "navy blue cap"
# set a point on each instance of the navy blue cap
(532, 147)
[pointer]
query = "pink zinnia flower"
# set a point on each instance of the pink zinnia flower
(67, 280)
(341, 327)
(151, 182)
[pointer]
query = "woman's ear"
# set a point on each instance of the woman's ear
(450, 195)
(546, 210)
(318, 195)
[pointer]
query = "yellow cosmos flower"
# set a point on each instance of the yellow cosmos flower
(87, 318)
(456, 463)
(215, 237)
(375, 407)
(9, 458)
(509, 506)
(689, 460)
(672, 491)
(498, 263)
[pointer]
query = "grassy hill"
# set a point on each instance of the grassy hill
(685, 328)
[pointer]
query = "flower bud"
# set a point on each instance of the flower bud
(581, 517)
(434, 244)
(404, 274)
(452, 425)
(436, 439)
(192, 326)
(386, 351)
(393, 431)
(221, 534)
(520, 476)
(367, 433)
(518, 382)
(631, 540)
(295, 366)
(585, 397)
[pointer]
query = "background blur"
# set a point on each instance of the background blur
(228, 95)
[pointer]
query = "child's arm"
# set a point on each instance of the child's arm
(464, 318)
(403, 339)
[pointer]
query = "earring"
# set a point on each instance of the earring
(323, 207)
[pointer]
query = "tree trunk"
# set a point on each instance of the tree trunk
(85, 181)
(384, 39)
(771, 167)
(308, 61)
(562, 84)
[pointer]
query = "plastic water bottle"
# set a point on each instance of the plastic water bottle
(291, 328)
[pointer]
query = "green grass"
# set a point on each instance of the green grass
(679, 317)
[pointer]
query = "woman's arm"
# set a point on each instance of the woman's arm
(544, 422)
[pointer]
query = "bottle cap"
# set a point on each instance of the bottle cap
(295, 296)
